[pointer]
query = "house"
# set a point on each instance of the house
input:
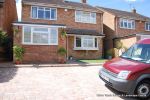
(123, 26)
(8, 14)
(44, 22)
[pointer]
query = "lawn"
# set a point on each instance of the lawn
(93, 61)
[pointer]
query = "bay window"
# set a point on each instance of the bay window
(147, 26)
(44, 13)
(86, 43)
(40, 36)
(127, 24)
(85, 17)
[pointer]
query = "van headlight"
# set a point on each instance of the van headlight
(124, 74)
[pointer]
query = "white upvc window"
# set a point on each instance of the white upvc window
(43, 13)
(147, 26)
(40, 36)
(86, 43)
(85, 17)
(127, 23)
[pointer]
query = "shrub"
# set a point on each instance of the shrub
(18, 52)
(63, 32)
(3, 38)
(62, 51)
(118, 44)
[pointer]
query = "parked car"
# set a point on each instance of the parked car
(130, 73)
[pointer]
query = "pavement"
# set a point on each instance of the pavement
(54, 83)
(69, 64)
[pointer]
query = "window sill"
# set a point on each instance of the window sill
(85, 22)
(38, 44)
(44, 19)
(127, 28)
(85, 48)
(147, 30)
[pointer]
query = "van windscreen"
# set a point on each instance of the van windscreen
(138, 52)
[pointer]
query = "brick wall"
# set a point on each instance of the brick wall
(9, 15)
(63, 17)
(1, 16)
(112, 29)
(139, 28)
(49, 54)
(38, 53)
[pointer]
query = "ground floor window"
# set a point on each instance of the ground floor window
(86, 42)
(40, 36)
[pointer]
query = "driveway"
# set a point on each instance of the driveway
(54, 83)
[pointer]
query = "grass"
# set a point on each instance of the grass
(93, 61)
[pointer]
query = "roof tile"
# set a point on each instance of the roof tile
(64, 4)
(120, 13)
(83, 32)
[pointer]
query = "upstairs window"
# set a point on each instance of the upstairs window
(85, 17)
(127, 24)
(147, 26)
(44, 13)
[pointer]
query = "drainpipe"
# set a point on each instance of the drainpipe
(67, 46)
(102, 23)
(116, 25)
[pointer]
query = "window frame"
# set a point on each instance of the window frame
(83, 21)
(82, 43)
(32, 43)
(148, 26)
(31, 16)
(127, 21)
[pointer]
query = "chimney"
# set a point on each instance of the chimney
(83, 1)
(134, 10)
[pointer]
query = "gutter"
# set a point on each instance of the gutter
(84, 35)
(38, 24)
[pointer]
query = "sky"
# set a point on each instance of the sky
(142, 6)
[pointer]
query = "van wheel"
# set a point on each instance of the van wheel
(143, 89)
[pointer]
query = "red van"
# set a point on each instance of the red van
(130, 73)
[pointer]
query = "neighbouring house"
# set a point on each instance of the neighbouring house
(44, 22)
(125, 27)
(8, 14)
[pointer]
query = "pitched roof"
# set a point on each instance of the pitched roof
(63, 3)
(125, 14)
(83, 32)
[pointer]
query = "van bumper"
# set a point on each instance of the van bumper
(126, 86)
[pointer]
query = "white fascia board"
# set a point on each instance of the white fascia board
(38, 25)
(83, 35)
